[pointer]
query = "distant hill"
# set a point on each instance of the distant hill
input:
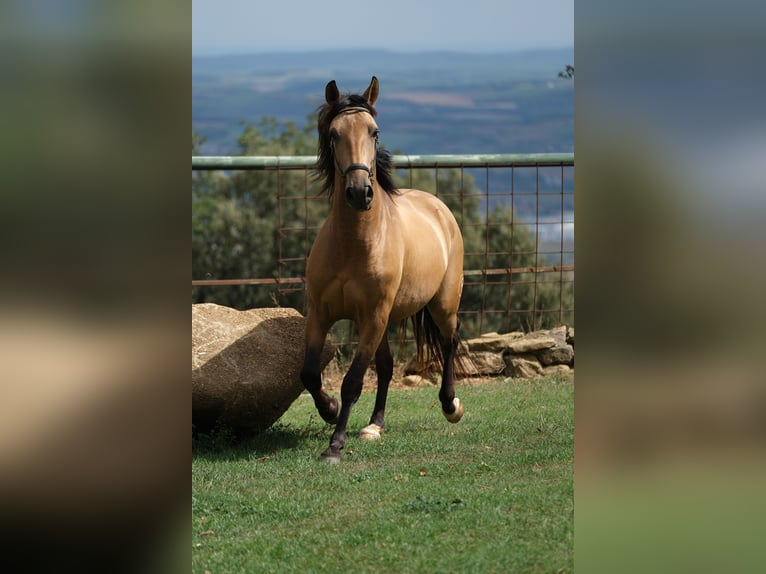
(437, 102)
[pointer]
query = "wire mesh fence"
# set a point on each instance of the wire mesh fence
(516, 214)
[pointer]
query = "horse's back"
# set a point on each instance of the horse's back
(418, 207)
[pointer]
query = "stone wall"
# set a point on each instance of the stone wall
(517, 355)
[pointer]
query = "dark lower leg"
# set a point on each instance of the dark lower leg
(384, 365)
(311, 377)
(349, 394)
(447, 391)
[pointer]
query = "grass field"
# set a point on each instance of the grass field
(493, 493)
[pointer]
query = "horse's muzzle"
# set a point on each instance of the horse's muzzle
(360, 198)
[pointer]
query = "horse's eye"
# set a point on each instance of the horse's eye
(375, 134)
(334, 135)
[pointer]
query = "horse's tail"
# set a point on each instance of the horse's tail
(427, 338)
(428, 344)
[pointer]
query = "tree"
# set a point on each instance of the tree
(237, 217)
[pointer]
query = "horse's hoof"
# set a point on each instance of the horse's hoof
(330, 457)
(370, 432)
(457, 414)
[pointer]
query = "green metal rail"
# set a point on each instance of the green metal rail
(400, 161)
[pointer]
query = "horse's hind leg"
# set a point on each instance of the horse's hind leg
(451, 405)
(447, 324)
(384, 365)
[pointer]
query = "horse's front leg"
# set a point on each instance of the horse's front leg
(369, 338)
(311, 373)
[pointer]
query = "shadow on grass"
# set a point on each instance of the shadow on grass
(223, 443)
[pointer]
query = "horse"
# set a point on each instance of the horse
(383, 255)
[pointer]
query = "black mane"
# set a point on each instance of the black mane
(325, 167)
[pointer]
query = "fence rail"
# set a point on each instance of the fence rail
(539, 188)
(400, 161)
(466, 273)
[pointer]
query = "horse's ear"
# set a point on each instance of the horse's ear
(331, 93)
(371, 93)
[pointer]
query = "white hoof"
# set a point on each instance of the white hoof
(370, 432)
(457, 414)
(330, 457)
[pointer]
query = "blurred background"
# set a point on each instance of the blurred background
(670, 139)
(94, 450)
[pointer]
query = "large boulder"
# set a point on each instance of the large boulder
(245, 365)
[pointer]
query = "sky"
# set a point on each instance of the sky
(230, 26)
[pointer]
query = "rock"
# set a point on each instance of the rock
(484, 363)
(535, 341)
(522, 366)
(570, 336)
(558, 355)
(416, 381)
(245, 365)
(559, 333)
(557, 370)
(492, 342)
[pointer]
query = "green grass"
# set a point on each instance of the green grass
(493, 493)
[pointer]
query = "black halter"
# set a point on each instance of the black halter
(356, 166)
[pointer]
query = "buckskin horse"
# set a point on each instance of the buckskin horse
(382, 256)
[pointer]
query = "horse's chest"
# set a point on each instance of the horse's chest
(348, 296)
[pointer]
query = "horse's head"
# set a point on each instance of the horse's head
(353, 136)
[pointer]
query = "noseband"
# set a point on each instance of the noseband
(356, 166)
